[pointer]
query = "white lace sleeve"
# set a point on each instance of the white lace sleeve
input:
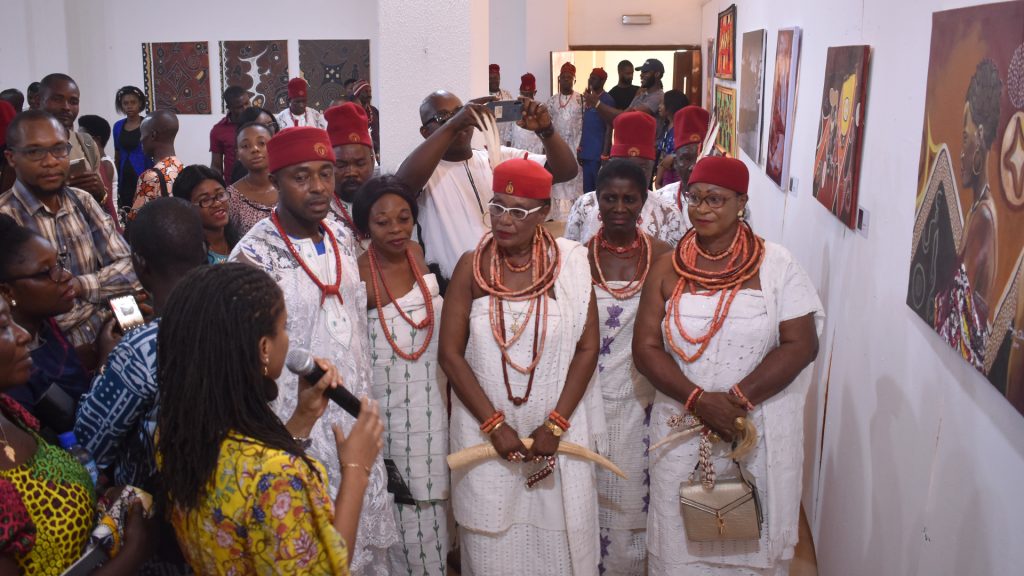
(798, 296)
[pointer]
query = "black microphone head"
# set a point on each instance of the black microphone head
(300, 361)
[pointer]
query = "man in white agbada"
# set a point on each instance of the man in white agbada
(298, 113)
(566, 109)
(498, 93)
(522, 138)
(633, 139)
(313, 261)
(454, 180)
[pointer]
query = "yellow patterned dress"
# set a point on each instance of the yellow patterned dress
(265, 512)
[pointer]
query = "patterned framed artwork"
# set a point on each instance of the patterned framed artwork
(326, 64)
(177, 76)
(725, 61)
(725, 107)
(840, 131)
(967, 253)
(780, 134)
(259, 66)
(748, 126)
(709, 82)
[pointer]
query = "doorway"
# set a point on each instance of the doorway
(682, 66)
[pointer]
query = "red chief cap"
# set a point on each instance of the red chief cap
(690, 125)
(347, 124)
(297, 145)
(494, 68)
(359, 87)
(527, 83)
(7, 113)
(600, 73)
(297, 88)
(523, 178)
(633, 135)
(568, 68)
(720, 171)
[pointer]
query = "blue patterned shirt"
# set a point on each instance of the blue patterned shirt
(117, 418)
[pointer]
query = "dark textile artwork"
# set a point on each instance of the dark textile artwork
(259, 66)
(177, 76)
(326, 64)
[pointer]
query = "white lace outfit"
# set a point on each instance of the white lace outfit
(659, 219)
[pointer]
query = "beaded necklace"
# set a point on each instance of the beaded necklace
(325, 290)
(428, 322)
(346, 217)
(643, 265)
(745, 256)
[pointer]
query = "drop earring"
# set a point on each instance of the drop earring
(266, 371)
(741, 214)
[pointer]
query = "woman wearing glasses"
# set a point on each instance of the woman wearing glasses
(38, 287)
(519, 343)
(204, 188)
(727, 323)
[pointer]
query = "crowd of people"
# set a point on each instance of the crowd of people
(530, 334)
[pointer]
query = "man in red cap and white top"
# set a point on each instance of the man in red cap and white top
(313, 260)
(520, 137)
(453, 181)
(690, 124)
(354, 163)
(633, 139)
(566, 109)
(498, 93)
(297, 113)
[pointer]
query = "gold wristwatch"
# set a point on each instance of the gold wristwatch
(555, 429)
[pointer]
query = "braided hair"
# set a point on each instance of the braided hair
(983, 94)
(212, 386)
(12, 237)
(134, 91)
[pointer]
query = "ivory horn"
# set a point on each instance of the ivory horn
(481, 452)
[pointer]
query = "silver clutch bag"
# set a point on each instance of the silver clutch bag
(720, 509)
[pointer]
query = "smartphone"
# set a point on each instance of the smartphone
(78, 167)
(506, 110)
(127, 312)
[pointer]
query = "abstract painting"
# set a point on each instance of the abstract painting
(725, 108)
(709, 82)
(748, 126)
(840, 131)
(177, 76)
(725, 61)
(259, 66)
(326, 64)
(967, 252)
(780, 132)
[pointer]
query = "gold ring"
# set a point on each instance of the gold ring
(740, 423)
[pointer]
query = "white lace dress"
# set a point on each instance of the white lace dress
(567, 118)
(628, 398)
(412, 404)
(505, 527)
(334, 331)
(749, 332)
(660, 219)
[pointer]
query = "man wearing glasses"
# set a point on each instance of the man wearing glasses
(454, 181)
(84, 235)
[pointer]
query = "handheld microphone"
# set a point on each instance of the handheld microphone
(300, 362)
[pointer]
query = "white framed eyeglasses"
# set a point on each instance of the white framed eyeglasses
(497, 211)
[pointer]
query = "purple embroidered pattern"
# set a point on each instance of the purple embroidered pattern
(614, 311)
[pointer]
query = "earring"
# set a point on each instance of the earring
(265, 369)
(639, 219)
(976, 163)
(599, 217)
(13, 302)
(741, 214)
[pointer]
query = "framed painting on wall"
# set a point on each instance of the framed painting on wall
(748, 125)
(725, 108)
(780, 132)
(709, 98)
(840, 131)
(259, 66)
(326, 64)
(177, 76)
(967, 252)
(725, 61)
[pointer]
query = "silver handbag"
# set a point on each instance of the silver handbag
(723, 509)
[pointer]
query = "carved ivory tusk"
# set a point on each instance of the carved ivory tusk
(481, 452)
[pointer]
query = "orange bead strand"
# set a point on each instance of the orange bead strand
(428, 322)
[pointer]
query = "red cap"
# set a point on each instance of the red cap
(297, 88)
(633, 135)
(523, 178)
(347, 124)
(359, 87)
(297, 145)
(7, 113)
(494, 68)
(690, 125)
(720, 171)
(568, 68)
(527, 83)
(600, 73)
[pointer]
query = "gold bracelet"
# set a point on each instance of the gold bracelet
(496, 426)
(359, 466)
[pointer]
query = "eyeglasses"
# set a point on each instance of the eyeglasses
(54, 272)
(36, 153)
(497, 211)
(207, 201)
(443, 116)
(714, 200)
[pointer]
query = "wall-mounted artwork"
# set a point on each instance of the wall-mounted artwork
(840, 131)
(326, 64)
(725, 61)
(748, 126)
(177, 76)
(259, 66)
(780, 133)
(709, 81)
(725, 107)
(967, 252)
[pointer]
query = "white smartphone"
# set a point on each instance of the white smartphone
(127, 312)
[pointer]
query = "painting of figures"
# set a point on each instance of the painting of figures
(725, 108)
(748, 127)
(725, 61)
(780, 134)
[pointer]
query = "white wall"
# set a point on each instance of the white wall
(921, 457)
(599, 23)
(522, 42)
(34, 41)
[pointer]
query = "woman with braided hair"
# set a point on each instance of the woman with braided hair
(727, 323)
